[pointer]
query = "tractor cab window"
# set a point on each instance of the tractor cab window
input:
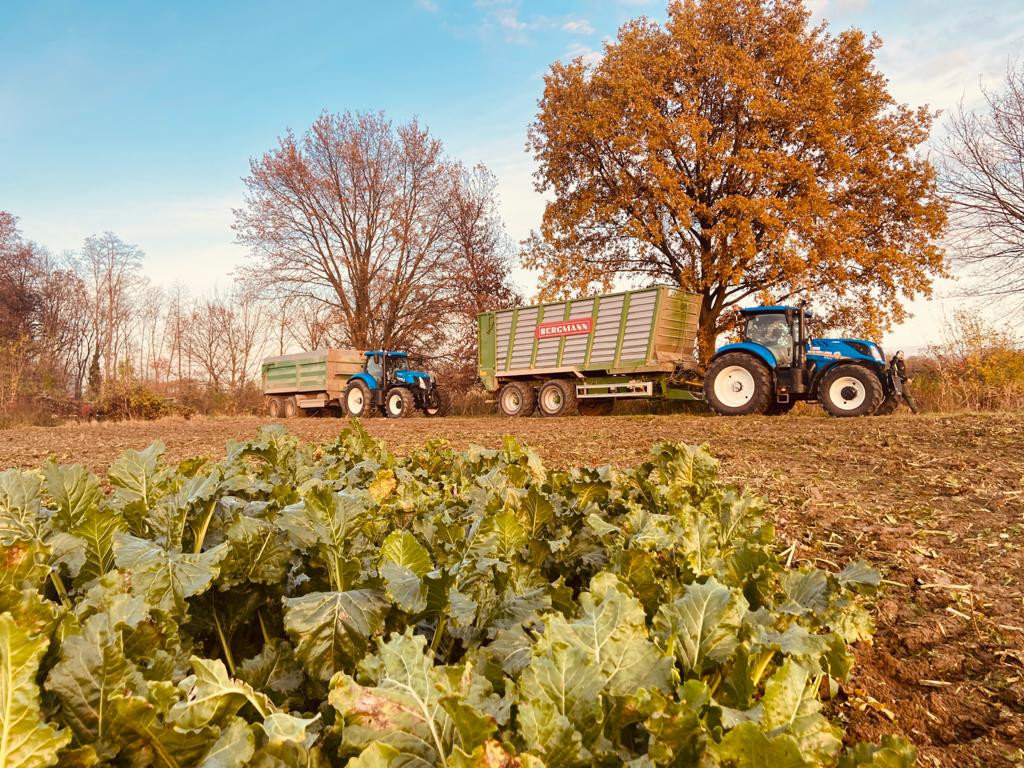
(374, 367)
(774, 332)
(398, 363)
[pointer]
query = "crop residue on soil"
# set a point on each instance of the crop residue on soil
(936, 501)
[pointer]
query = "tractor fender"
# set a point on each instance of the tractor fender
(762, 353)
(366, 378)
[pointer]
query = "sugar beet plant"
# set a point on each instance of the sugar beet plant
(295, 605)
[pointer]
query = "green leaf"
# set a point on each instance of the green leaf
(402, 548)
(859, 573)
(893, 752)
(211, 697)
(26, 739)
(612, 631)
(74, 490)
(258, 553)
(805, 592)
(92, 668)
(20, 517)
(87, 549)
(331, 630)
(135, 476)
(790, 703)
(404, 587)
(156, 742)
(747, 746)
(274, 671)
(165, 579)
(702, 626)
(233, 748)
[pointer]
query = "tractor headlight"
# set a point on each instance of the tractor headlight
(423, 382)
(876, 352)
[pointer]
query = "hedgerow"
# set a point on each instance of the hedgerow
(293, 605)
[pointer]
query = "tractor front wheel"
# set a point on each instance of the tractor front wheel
(438, 404)
(358, 400)
(399, 403)
(738, 384)
(517, 399)
(850, 390)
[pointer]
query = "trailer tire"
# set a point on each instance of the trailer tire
(517, 399)
(599, 406)
(399, 402)
(850, 390)
(289, 409)
(738, 384)
(358, 400)
(557, 397)
(274, 407)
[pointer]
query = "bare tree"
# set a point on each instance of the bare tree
(983, 175)
(355, 215)
(111, 268)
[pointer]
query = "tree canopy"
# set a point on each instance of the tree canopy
(737, 151)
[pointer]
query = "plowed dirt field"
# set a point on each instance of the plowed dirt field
(936, 501)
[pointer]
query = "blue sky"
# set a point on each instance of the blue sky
(140, 117)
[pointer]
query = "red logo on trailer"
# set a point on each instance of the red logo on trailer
(580, 327)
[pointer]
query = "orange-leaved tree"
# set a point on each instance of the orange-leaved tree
(737, 151)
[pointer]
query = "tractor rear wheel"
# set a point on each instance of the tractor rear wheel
(358, 400)
(399, 403)
(517, 399)
(557, 397)
(738, 384)
(274, 407)
(596, 406)
(850, 390)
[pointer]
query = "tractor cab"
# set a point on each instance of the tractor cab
(392, 368)
(781, 330)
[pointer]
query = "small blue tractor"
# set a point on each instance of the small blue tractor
(388, 385)
(777, 364)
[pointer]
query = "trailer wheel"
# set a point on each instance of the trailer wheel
(399, 402)
(557, 397)
(290, 408)
(738, 384)
(598, 406)
(358, 400)
(274, 408)
(517, 399)
(850, 390)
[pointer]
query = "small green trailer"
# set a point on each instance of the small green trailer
(308, 381)
(584, 354)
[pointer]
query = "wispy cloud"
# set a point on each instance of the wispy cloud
(428, 5)
(579, 27)
(590, 56)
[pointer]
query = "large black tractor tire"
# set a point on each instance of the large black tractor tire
(358, 401)
(517, 399)
(738, 384)
(439, 405)
(399, 403)
(850, 390)
(274, 407)
(888, 406)
(775, 408)
(557, 397)
(599, 406)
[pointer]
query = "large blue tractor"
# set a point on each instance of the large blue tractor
(776, 365)
(388, 385)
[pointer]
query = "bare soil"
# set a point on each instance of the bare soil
(935, 501)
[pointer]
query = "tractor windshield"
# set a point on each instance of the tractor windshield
(398, 362)
(774, 332)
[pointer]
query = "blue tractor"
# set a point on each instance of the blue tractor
(777, 364)
(388, 385)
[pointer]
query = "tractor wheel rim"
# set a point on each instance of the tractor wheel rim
(395, 404)
(355, 401)
(552, 399)
(734, 386)
(847, 393)
(512, 400)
